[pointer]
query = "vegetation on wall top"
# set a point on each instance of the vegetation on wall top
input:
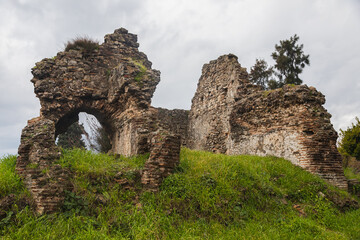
(290, 61)
(85, 44)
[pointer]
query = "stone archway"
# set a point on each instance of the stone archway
(114, 82)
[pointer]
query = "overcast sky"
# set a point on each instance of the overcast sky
(179, 37)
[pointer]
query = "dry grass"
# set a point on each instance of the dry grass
(84, 43)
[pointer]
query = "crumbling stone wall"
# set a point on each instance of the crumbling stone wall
(114, 82)
(164, 157)
(230, 115)
(175, 121)
(46, 180)
(212, 104)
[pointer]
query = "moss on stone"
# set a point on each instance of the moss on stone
(140, 75)
(32, 166)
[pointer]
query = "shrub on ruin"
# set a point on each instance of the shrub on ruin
(85, 44)
(261, 74)
(350, 140)
(290, 60)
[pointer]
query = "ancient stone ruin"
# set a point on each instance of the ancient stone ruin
(115, 83)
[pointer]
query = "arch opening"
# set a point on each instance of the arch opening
(84, 129)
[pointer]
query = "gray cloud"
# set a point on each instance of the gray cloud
(179, 37)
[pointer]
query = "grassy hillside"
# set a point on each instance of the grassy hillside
(211, 196)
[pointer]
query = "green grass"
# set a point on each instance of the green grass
(87, 162)
(9, 181)
(210, 196)
(350, 173)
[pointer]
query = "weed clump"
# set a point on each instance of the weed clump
(84, 44)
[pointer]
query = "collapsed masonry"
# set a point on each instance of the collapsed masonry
(115, 83)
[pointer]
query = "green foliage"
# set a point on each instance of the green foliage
(85, 44)
(261, 74)
(10, 182)
(88, 162)
(142, 70)
(273, 84)
(33, 166)
(210, 196)
(6, 220)
(350, 140)
(72, 137)
(108, 73)
(290, 61)
(74, 204)
(351, 173)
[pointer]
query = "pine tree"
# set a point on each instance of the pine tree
(261, 74)
(290, 60)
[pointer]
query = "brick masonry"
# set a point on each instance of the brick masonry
(175, 121)
(45, 180)
(230, 115)
(164, 157)
(115, 82)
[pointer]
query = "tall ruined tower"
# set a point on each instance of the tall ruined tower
(230, 115)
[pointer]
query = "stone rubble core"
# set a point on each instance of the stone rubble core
(115, 83)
